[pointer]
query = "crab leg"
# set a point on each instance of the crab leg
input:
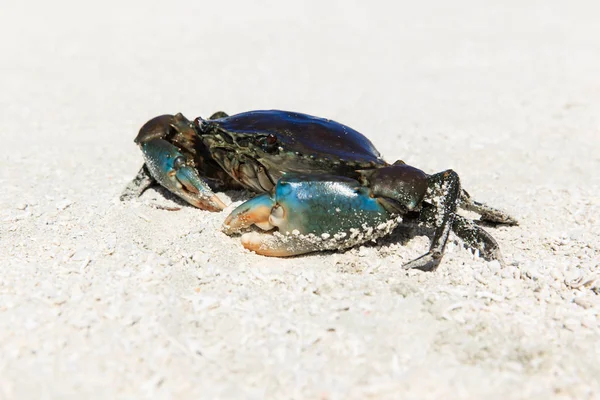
(142, 181)
(443, 194)
(477, 238)
(488, 214)
(311, 213)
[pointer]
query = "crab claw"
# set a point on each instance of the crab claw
(256, 211)
(168, 166)
(311, 213)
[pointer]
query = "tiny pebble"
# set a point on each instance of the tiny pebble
(201, 258)
(584, 302)
(557, 275)
(589, 321)
(63, 204)
(571, 324)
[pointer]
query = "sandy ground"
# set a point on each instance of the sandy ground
(103, 299)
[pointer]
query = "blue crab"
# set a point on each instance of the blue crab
(323, 185)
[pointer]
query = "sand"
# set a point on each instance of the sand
(108, 300)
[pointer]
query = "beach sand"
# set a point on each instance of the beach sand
(107, 299)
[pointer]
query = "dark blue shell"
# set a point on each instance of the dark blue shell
(305, 134)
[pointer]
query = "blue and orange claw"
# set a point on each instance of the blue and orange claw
(169, 167)
(311, 213)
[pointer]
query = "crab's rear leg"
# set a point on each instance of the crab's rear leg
(166, 163)
(435, 197)
(439, 211)
(142, 181)
(477, 238)
(488, 214)
(443, 197)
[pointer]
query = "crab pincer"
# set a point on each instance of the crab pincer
(169, 165)
(311, 213)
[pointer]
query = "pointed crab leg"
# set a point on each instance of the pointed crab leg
(311, 213)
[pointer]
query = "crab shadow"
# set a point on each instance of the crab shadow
(167, 195)
(234, 195)
(405, 232)
(402, 234)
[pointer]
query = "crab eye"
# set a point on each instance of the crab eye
(199, 123)
(271, 140)
(270, 143)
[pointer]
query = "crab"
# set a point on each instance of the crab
(322, 185)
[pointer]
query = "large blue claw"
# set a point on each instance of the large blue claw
(168, 166)
(312, 213)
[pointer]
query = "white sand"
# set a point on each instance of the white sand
(103, 299)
